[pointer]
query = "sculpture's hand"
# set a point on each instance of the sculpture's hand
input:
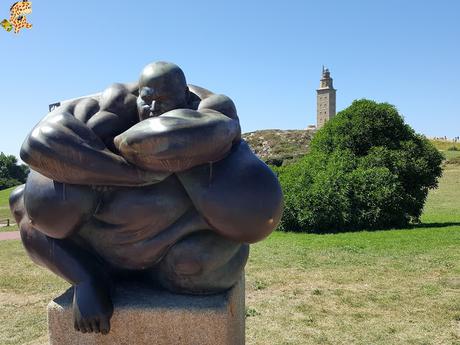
(178, 140)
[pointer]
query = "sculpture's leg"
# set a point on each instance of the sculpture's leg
(202, 263)
(92, 303)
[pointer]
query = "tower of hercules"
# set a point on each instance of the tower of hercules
(325, 99)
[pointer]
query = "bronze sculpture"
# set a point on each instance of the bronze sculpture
(151, 181)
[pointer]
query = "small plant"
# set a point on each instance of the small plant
(309, 319)
(250, 312)
(453, 148)
(455, 160)
(259, 285)
(317, 292)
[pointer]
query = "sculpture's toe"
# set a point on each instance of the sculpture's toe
(82, 327)
(88, 326)
(95, 326)
(104, 325)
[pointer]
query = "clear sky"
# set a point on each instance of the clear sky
(265, 55)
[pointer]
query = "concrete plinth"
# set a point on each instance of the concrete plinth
(143, 316)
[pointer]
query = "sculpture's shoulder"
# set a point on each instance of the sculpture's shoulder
(199, 91)
(205, 99)
(105, 114)
(119, 98)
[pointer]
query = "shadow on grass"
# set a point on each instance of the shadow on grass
(433, 225)
(407, 227)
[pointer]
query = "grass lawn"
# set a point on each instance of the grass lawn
(444, 145)
(451, 154)
(385, 287)
(5, 210)
(8, 228)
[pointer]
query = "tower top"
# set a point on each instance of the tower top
(326, 73)
(326, 80)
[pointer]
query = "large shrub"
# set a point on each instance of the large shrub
(367, 169)
(11, 173)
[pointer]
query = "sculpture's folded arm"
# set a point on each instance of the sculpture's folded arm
(239, 196)
(65, 149)
(178, 140)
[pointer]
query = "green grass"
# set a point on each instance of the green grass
(444, 145)
(385, 287)
(5, 210)
(451, 154)
(443, 204)
(8, 228)
(25, 290)
(388, 287)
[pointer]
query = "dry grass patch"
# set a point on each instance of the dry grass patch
(389, 300)
(25, 290)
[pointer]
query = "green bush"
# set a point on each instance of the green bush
(7, 183)
(367, 169)
(453, 148)
(11, 173)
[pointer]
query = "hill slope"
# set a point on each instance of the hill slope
(278, 147)
(275, 146)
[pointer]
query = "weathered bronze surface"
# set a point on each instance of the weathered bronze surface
(149, 181)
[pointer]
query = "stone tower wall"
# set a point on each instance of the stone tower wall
(325, 100)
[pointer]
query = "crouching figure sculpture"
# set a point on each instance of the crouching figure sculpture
(149, 180)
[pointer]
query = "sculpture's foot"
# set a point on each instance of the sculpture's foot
(92, 307)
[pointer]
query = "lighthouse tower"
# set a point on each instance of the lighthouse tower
(325, 99)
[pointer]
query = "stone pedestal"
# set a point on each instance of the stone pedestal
(143, 316)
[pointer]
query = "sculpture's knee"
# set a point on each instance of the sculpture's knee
(33, 241)
(17, 203)
(205, 264)
(193, 267)
(28, 234)
(57, 209)
(186, 264)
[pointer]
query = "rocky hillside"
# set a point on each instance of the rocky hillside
(278, 147)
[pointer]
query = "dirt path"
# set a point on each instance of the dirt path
(10, 235)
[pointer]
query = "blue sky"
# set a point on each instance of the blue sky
(265, 55)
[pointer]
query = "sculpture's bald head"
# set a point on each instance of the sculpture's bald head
(162, 87)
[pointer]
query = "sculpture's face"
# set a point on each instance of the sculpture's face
(162, 88)
(153, 101)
